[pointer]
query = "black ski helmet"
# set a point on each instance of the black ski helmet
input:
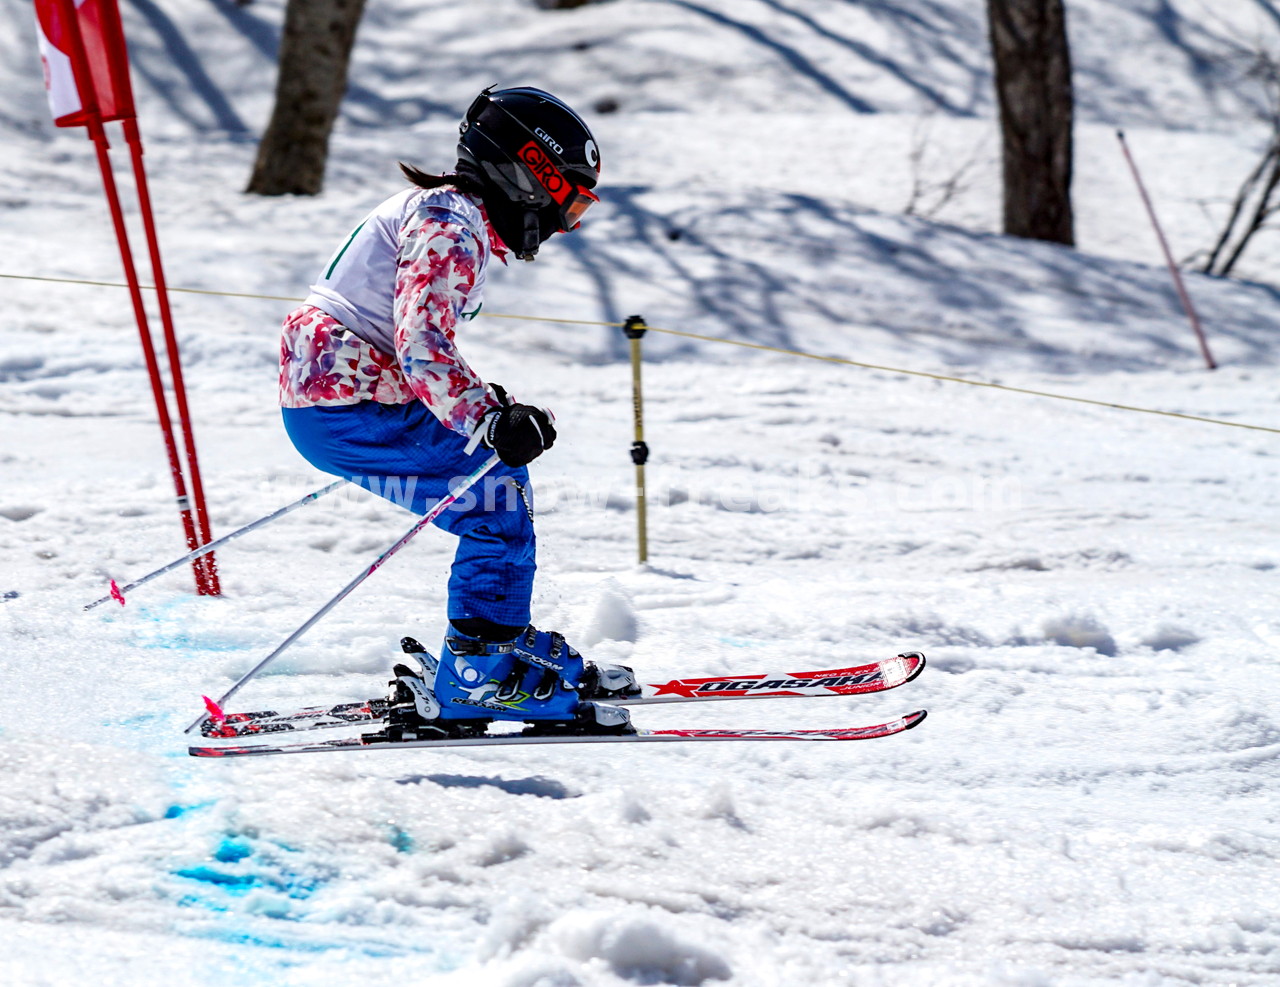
(535, 160)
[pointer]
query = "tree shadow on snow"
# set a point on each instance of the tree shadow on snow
(157, 68)
(362, 105)
(797, 272)
(936, 53)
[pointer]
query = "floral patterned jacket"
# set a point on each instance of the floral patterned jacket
(405, 277)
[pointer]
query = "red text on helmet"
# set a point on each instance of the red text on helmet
(547, 174)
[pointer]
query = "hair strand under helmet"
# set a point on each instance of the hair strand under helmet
(536, 161)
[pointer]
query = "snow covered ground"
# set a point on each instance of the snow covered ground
(1092, 798)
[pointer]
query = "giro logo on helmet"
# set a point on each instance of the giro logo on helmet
(593, 156)
(549, 140)
(545, 171)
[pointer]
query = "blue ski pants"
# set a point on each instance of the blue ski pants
(403, 453)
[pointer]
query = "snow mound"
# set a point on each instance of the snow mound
(641, 948)
(1080, 630)
(1170, 637)
(613, 619)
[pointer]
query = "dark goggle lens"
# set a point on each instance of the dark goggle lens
(577, 206)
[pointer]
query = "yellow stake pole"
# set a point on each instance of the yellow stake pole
(635, 328)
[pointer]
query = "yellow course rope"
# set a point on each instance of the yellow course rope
(843, 361)
(970, 381)
(150, 287)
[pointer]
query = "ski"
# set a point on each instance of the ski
(640, 736)
(877, 676)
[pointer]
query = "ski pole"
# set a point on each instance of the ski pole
(117, 592)
(430, 516)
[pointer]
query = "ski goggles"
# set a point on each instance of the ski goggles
(576, 207)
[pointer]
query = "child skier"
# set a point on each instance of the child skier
(372, 387)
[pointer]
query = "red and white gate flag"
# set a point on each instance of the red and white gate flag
(86, 65)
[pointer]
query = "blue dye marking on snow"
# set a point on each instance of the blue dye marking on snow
(400, 841)
(230, 852)
(276, 917)
(242, 937)
(741, 642)
(140, 720)
(271, 942)
(264, 931)
(193, 901)
(178, 637)
(177, 811)
(266, 874)
(293, 886)
(158, 734)
(234, 883)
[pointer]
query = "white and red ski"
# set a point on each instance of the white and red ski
(877, 676)
(640, 736)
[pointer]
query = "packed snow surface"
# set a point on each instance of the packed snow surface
(1091, 800)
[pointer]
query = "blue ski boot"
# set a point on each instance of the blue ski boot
(548, 650)
(536, 678)
(413, 713)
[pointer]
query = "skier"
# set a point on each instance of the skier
(373, 388)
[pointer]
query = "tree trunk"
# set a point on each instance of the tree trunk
(1033, 86)
(314, 52)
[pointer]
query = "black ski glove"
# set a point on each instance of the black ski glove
(518, 433)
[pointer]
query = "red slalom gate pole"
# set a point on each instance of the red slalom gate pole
(99, 137)
(92, 117)
(206, 567)
(1178, 284)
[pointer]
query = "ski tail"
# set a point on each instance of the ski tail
(309, 718)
